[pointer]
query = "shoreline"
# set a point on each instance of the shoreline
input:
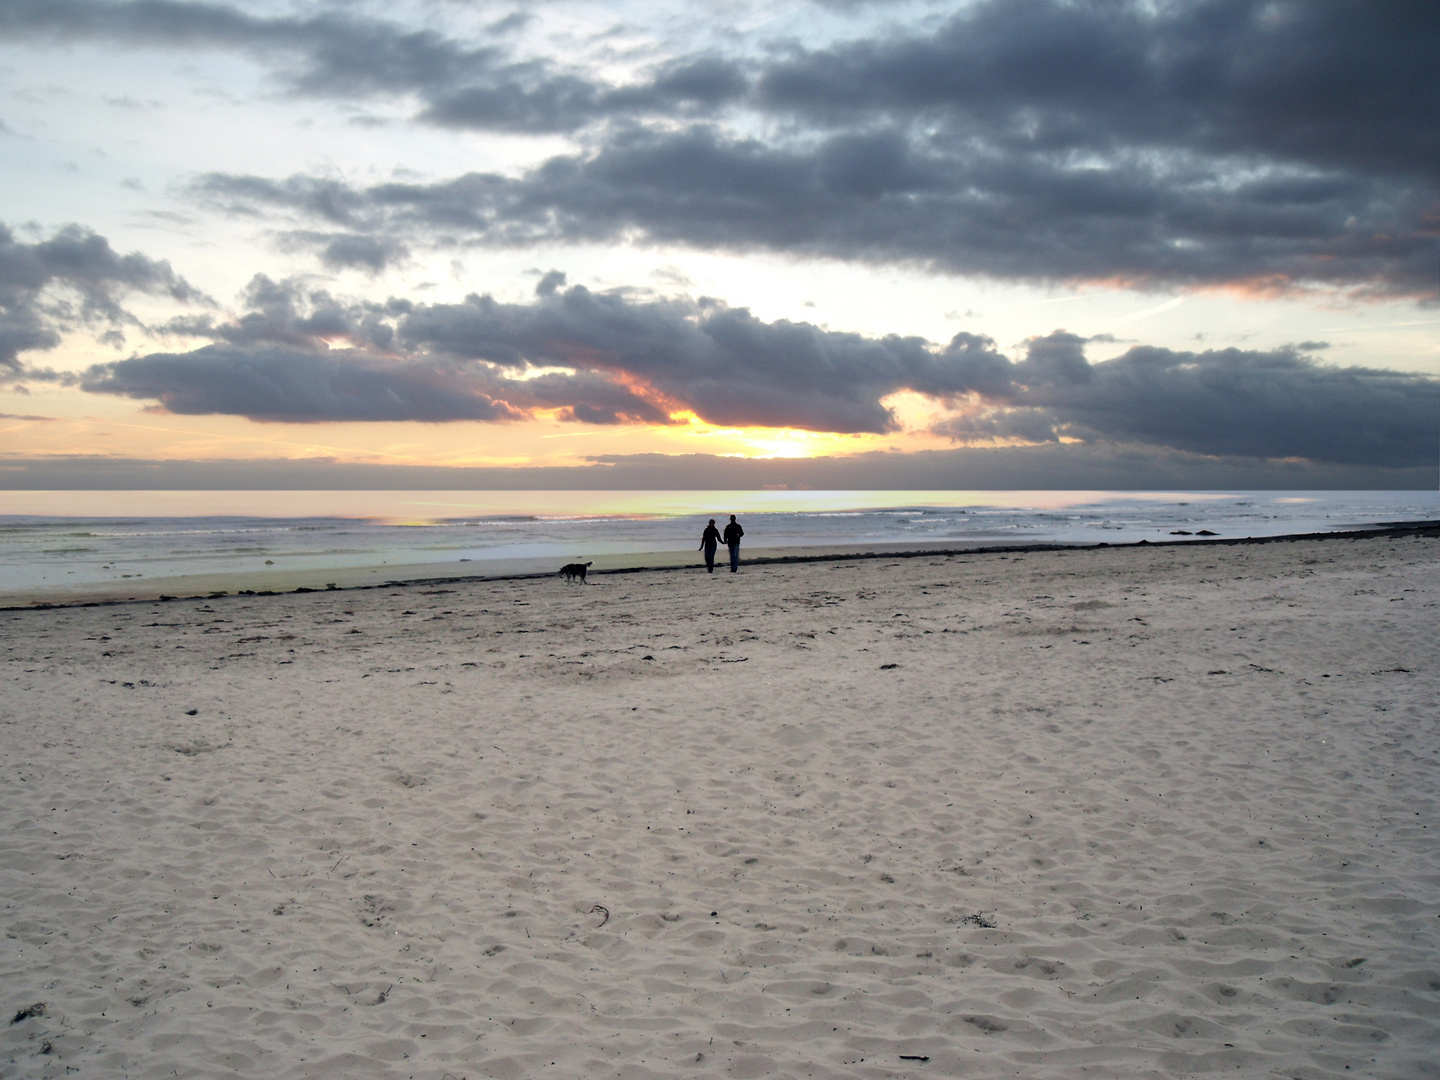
(349, 579)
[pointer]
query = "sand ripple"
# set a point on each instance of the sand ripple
(1119, 813)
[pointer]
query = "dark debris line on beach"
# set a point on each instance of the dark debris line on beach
(1391, 530)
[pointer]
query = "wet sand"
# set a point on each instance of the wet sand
(1155, 811)
(226, 581)
(231, 581)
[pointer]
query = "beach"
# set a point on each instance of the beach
(1156, 810)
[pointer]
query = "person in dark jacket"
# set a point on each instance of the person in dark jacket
(733, 533)
(708, 541)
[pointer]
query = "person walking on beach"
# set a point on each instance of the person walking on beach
(733, 533)
(708, 540)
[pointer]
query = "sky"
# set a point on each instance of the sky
(868, 244)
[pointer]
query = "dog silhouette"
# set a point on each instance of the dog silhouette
(575, 570)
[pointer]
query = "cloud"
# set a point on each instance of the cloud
(287, 313)
(1093, 467)
(1316, 81)
(275, 383)
(349, 251)
(1224, 403)
(300, 355)
(1052, 467)
(1265, 145)
(886, 196)
(722, 363)
(332, 54)
(550, 283)
(597, 358)
(304, 356)
(1322, 82)
(73, 278)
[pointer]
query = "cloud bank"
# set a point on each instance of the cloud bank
(1222, 403)
(1254, 145)
(599, 358)
(609, 359)
(1096, 467)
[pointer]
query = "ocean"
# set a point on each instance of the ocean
(71, 545)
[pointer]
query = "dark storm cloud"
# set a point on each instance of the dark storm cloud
(362, 252)
(1201, 142)
(727, 366)
(1225, 403)
(1256, 143)
(332, 54)
(74, 278)
(1325, 82)
(275, 383)
(349, 251)
(272, 382)
(1191, 141)
(1311, 82)
(606, 359)
(302, 355)
(876, 197)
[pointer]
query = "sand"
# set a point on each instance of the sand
(228, 580)
(1130, 812)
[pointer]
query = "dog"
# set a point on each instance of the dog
(575, 570)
